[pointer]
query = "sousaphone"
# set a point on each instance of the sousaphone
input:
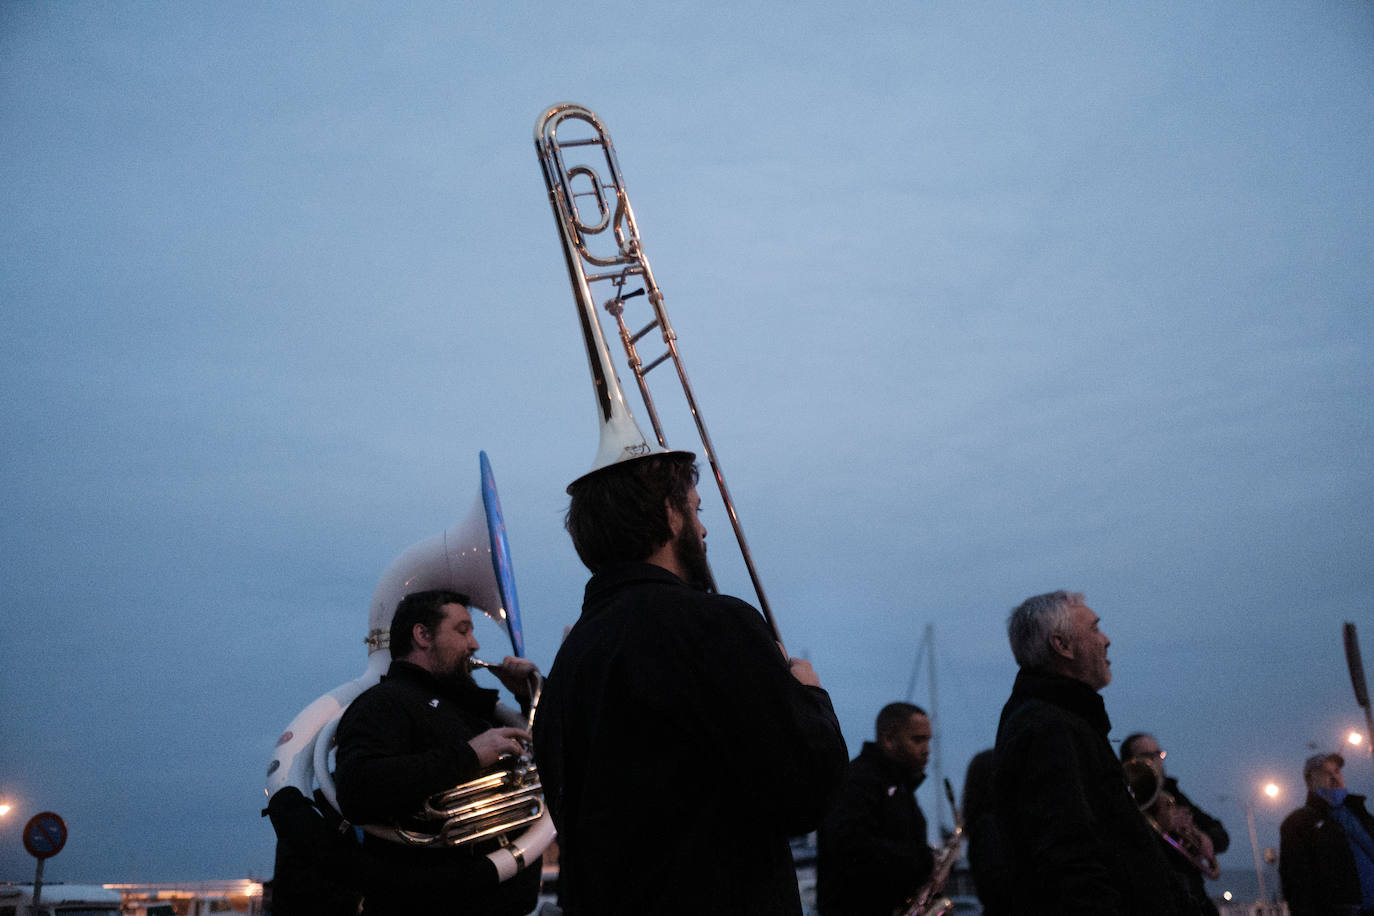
(506, 801)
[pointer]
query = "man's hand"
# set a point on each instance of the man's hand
(515, 674)
(495, 743)
(802, 671)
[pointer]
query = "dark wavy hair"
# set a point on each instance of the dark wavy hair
(419, 607)
(619, 514)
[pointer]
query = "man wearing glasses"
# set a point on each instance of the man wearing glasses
(1143, 746)
(1192, 831)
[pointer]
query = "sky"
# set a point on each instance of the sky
(979, 300)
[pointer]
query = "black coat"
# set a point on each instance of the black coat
(1316, 865)
(1221, 840)
(399, 743)
(1073, 836)
(678, 753)
(871, 851)
(1193, 880)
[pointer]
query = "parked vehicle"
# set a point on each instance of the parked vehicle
(59, 900)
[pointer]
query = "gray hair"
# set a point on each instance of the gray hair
(1030, 626)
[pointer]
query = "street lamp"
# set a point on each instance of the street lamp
(1272, 791)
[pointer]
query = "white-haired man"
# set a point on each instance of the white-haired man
(1073, 836)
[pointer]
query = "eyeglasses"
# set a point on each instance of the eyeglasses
(1158, 755)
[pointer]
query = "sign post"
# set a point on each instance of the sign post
(44, 836)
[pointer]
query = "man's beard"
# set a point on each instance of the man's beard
(690, 552)
(459, 676)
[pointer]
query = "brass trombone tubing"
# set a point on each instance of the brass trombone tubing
(630, 261)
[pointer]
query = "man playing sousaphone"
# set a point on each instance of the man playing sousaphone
(425, 728)
(679, 748)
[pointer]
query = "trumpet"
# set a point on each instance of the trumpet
(602, 248)
(1147, 788)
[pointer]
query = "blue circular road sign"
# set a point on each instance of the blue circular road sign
(44, 835)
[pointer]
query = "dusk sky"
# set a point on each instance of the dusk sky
(980, 300)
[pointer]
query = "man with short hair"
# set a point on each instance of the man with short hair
(1326, 847)
(1072, 834)
(426, 728)
(678, 747)
(1200, 836)
(1145, 747)
(872, 852)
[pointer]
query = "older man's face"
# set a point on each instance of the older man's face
(1326, 776)
(1087, 648)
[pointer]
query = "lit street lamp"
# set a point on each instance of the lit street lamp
(1272, 791)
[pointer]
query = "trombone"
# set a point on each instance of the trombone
(602, 248)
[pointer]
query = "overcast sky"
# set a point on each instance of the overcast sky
(980, 300)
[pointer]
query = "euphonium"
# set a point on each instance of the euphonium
(602, 248)
(1147, 788)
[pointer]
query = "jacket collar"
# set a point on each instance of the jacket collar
(1317, 803)
(409, 672)
(890, 770)
(1068, 693)
(622, 574)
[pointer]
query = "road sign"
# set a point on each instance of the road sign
(44, 835)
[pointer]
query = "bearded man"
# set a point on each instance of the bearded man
(426, 728)
(679, 749)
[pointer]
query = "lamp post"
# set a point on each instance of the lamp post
(1272, 791)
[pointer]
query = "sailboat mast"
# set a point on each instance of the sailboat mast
(937, 739)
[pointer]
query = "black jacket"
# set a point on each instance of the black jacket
(871, 851)
(1199, 899)
(1221, 840)
(399, 743)
(1073, 835)
(1316, 865)
(678, 753)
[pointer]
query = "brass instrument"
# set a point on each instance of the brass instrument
(506, 797)
(927, 901)
(602, 248)
(505, 802)
(1147, 788)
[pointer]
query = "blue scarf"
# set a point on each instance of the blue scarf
(1361, 843)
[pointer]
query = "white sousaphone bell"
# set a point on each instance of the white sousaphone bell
(471, 557)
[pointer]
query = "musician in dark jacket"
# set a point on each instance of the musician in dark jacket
(1196, 835)
(1326, 851)
(1075, 840)
(426, 728)
(986, 860)
(872, 853)
(678, 747)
